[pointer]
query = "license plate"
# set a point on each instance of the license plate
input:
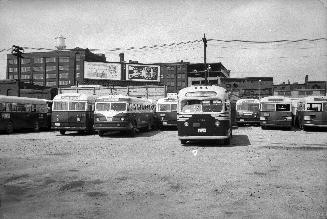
(165, 123)
(202, 130)
(57, 124)
(242, 120)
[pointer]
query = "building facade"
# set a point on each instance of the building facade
(248, 87)
(308, 88)
(58, 68)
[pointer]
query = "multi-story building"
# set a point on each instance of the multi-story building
(308, 88)
(248, 87)
(197, 72)
(58, 68)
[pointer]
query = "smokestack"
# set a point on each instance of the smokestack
(306, 79)
(121, 57)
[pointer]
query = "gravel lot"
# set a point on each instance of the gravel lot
(262, 174)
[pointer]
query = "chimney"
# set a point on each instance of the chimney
(121, 57)
(306, 79)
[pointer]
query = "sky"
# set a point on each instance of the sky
(152, 31)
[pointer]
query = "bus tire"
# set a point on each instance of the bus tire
(62, 132)
(36, 126)
(10, 127)
(183, 141)
(101, 133)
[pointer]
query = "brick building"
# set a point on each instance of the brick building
(308, 88)
(248, 87)
(57, 68)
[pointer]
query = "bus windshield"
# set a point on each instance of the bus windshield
(164, 107)
(60, 105)
(198, 106)
(118, 106)
(102, 106)
(248, 107)
(77, 106)
(268, 107)
(317, 107)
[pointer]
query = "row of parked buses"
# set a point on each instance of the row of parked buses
(283, 112)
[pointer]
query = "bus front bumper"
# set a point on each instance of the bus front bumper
(202, 137)
(112, 127)
(69, 128)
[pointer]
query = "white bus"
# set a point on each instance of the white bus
(166, 110)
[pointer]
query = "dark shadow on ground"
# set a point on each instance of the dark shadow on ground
(168, 128)
(315, 129)
(75, 133)
(237, 140)
(117, 134)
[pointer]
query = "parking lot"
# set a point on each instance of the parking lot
(262, 174)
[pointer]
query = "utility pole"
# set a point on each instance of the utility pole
(204, 39)
(16, 51)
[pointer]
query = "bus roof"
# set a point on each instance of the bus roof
(240, 101)
(124, 98)
(275, 99)
(220, 92)
(167, 100)
(76, 97)
(23, 100)
(315, 99)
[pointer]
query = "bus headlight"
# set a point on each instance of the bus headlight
(262, 118)
(185, 123)
(78, 119)
(122, 118)
(217, 123)
(307, 118)
(288, 118)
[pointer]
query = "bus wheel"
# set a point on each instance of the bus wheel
(10, 127)
(183, 141)
(227, 141)
(101, 133)
(62, 132)
(36, 127)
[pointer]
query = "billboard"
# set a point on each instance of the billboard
(102, 71)
(137, 72)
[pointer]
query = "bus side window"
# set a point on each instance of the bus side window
(2, 107)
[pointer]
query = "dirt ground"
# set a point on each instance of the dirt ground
(262, 174)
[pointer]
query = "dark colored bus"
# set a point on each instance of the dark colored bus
(276, 111)
(247, 112)
(312, 112)
(17, 113)
(123, 113)
(73, 112)
(204, 113)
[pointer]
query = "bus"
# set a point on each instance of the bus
(19, 113)
(166, 110)
(276, 111)
(204, 113)
(247, 112)
(123, 113)
(313, 112)
(73, 112)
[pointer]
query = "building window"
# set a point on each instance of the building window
(78, 75)
(63, 59)
(179, 83)
(38, 83)
(78, 58)
(51, 83)
(63, 67)
(38, 60)
(183, 84)
(183, 76)
(309, 92)
(322, 92)
(11, 76)
(26, 69)
(25, 76)
(50, 68)
(63, 75)
(38, 68)
(51, 76)
(64, 82)
(179, 76)
(12, 69)
(13, 61)
(37, 76)
(26, 61)
(77, 67)
(51, 59)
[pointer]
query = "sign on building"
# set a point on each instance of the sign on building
(137, 72)
(101, 70)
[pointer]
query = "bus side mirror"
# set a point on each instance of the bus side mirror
(227, 106)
